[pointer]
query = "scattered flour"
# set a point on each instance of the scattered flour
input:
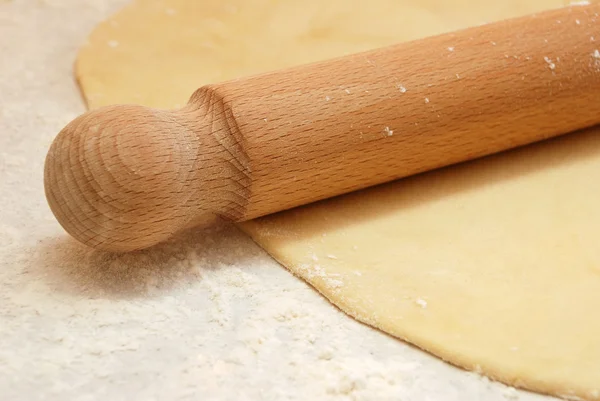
(312, 271)
(596, 59)
(550, 63)
(207, 314)
(510, 393)
(421, 302)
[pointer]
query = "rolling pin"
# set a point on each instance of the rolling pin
(125, 177)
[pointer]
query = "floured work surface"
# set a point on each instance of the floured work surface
(492, 265)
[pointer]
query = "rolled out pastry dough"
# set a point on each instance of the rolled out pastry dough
(492, 265)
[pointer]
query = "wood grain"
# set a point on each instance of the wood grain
(122, 178)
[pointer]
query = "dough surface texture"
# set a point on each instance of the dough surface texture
(492, 265)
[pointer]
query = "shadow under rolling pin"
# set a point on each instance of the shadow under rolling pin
(126, 177)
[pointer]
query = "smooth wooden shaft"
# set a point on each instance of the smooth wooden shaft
(339, 126)
(126, 177)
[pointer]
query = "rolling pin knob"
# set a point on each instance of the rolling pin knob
(127, 177)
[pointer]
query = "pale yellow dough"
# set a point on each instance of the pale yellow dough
(493, 265)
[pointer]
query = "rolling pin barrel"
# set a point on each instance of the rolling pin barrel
(124, 177)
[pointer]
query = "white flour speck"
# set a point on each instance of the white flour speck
(426, 100)
(388, 131)
(334, 283)
(493, 43)
(510, 393)
(401, 88)
(314, 257)
(327, 98)
(458, 76)
(580, 3)
(113, 43)
(421, 302)
(451, 49)
(551, 65)
(316, 270)
(596, 54)
(347, 91)
(330, 256)
(578, 22)
(312, 270)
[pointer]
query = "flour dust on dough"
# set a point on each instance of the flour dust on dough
(492, 265)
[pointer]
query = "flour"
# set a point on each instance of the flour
(550, 63)
(422, 303)
(207, 315)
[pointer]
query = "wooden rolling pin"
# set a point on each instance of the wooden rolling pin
(125, 177)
